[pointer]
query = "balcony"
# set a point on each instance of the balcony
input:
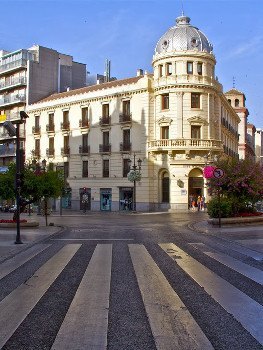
(84, 149)
(105, 121)
(50, 128)
(184, 144)
(36, 153)
(65, 126)
(84, 123)
(105, 148)
(65, 151)
(18, 64)
(50, 152)
(125, 147)
(9, 99)
(13, 82)
(5, 136)
(36, 130)
(125, 118)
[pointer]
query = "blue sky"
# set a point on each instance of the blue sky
(126, 32)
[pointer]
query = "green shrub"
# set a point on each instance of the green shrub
(226, 206)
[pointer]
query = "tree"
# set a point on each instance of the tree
(36, 184)
(242, 183)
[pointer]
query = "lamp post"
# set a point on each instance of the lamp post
(8, 125)
(134, 175)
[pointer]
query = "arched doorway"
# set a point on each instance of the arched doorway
(165, 191)
(196, 183)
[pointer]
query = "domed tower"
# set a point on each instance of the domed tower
(189, 105)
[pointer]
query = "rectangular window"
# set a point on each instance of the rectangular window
(160, 70)
(195, 100)
(126, 167)
(126, 136)
(199, 68)
(168, 68)
(126, 107)
(165, 101)
(85, 140)
(66, 169)
(51, 143)
(165, 132)
(106, 138)
(189, 67)
(105, 110)
(195, 131)
(106, 168)
(37, 118)
(66, 141)
(175, 68)
(84, 114)
(85, 168)
(65, 117)
(37, 148)
(51, 119)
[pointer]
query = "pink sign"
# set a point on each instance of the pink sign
(208, 171)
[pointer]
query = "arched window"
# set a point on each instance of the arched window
(229, 101)
(165, 188)
(236, 102)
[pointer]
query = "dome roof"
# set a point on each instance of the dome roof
(183, 36)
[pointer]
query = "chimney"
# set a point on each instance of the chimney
(68, 88)
(139, 72)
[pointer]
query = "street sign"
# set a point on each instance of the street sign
(2, 117)
(218, 173)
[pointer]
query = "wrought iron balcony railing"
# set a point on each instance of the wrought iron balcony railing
(83, 123)
(84, 149)
(50, 127)
(65, 151)
(105, 120)
(125, 147)
(36, 130)
(125, 117)
(65, 126)
(105, 148)
(50, 152)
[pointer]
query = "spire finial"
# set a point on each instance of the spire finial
(182, 8)
(234, 83)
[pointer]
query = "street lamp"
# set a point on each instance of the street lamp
(15, 131)
(134, 175)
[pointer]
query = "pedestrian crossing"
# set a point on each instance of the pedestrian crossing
(173, 326)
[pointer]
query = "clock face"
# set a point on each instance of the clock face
(194, 42)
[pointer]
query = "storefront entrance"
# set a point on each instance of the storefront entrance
(105, 199)
(85, 198)
(126, 194)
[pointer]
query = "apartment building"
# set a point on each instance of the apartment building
(26, 76)
(174, 122)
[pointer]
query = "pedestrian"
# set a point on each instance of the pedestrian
(193, 204)
(198, 203)
(203, 203)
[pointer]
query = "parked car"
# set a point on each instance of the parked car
(12, 209)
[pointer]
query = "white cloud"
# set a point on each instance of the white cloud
(246, 48)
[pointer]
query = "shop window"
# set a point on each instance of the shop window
(195, 131)
(106, 168)
(189, 67)
(85, 168)
(165, 132)
(165, 101)
(105, 199)
(195, 100)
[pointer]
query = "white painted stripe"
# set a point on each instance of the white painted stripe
(86, 323)
(18, 304)
(249, 271)
(92, 239)
(248, 312)
(170, 321)
(18, 260)
(246, 270)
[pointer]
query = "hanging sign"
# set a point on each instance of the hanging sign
(218, 173)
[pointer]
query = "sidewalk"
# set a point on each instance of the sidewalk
(29, 236)
(248, 235)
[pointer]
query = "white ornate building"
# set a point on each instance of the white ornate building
(175, 120)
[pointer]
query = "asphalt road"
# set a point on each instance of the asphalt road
(126, 282)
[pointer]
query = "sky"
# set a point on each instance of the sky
(126, 32)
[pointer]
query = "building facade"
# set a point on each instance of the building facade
(26, 76)
(175, 121)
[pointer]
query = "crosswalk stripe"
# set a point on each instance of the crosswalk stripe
(86, 323)
(246, 270)
(248, 312)
(18, 260)
(17, 305)
(171, 323)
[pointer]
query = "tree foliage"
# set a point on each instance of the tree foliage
(36, 184)
(242, 183)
